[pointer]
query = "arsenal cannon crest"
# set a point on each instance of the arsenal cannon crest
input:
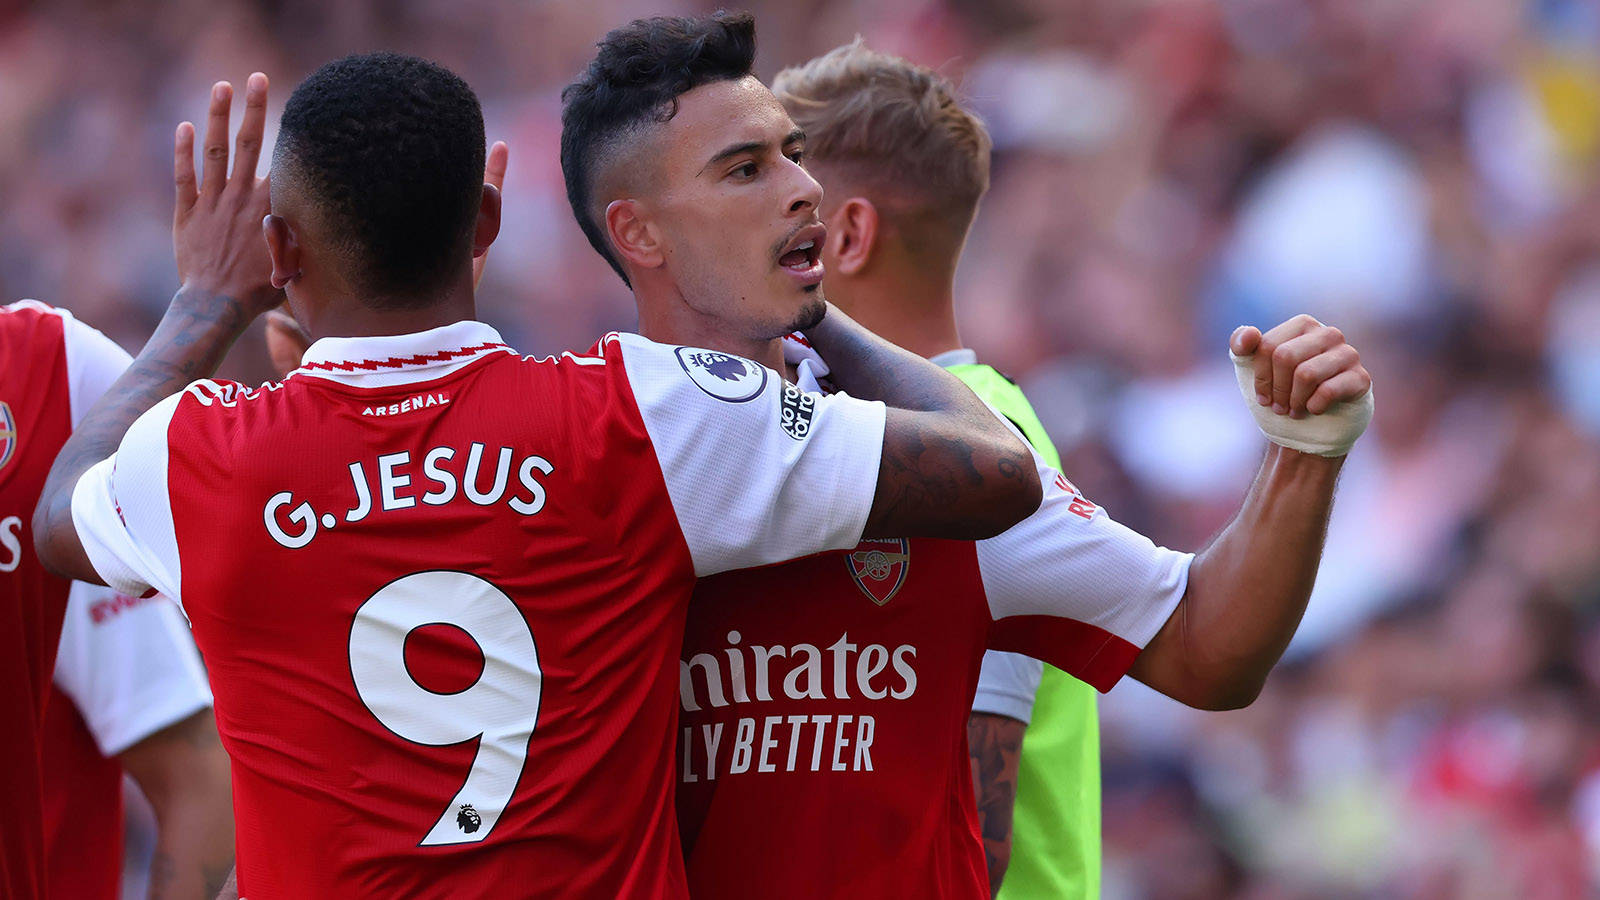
(879, 567)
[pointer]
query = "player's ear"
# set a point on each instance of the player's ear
(488, 227)
(284, 249)
(633, 236)
(853, 235)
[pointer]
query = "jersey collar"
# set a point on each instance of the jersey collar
(384, 360)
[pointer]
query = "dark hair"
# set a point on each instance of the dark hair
(390, 149)
(636, 78)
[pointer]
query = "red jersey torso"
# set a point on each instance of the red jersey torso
(846, 674)
(823, 743)
(441, 588)
(35, 420)
(509, 504)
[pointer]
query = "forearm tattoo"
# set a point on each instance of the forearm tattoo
(995, 745)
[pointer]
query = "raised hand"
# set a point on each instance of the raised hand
(216, 222)
(1305, 385)
(494, 173)
(1302, 366)
(222, 259)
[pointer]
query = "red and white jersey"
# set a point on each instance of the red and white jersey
(823, 743)
(127, 668)
(52, 368)
(440, 589)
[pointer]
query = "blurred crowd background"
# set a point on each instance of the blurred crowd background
(1424, 174)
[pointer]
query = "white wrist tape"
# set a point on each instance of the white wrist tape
(1332, 433)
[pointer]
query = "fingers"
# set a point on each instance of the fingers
(494, 172)
(183, 167)
(1349, 384)
(1245, 340)
(247, 146)
(214, 170)
(1268, 385)
(1310, 375)
(1288, 356)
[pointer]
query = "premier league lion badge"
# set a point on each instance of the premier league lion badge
(8, 434)
(879, 567)
(723, 375)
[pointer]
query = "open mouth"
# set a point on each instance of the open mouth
(801, 258)
(803, 253)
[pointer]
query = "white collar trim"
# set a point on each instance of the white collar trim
(385, 360)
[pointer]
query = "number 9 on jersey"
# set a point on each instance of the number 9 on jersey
(499, 709)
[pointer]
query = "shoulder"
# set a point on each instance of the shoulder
(22, 311)
(206, 413)
(41, 326)
(33, 314)
(662, 372)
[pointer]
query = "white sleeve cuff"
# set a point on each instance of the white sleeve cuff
(1007, 684)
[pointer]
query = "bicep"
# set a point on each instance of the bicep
(925, 478)
(1160, 665)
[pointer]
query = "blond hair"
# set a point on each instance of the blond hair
(893, 124)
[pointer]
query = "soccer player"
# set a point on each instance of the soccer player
(823, 742)
(52, 368)
(440, 586)
(130, 696)
(905, 166)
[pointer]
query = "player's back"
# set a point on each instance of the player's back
(474, 554)
(441, 588)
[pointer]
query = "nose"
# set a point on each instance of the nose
(805, 193)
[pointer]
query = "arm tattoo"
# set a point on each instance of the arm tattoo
(949, 467)
(190, 343)
(995, 744)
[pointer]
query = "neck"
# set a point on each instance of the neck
(918, 314)
(669, 320)
(352, 315)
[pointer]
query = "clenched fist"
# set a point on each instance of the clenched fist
(1304, 385)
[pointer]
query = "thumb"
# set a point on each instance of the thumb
(1244, 340)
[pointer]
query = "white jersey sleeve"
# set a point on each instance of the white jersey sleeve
(1007, 683)
(123, 513)
(129, 665)
(737, 444)
(1071, 586)
(94, 361)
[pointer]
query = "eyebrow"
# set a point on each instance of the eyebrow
(796, 136)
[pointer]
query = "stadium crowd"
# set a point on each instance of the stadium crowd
(1425, 174)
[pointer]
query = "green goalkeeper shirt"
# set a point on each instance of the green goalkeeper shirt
(1055, 846)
